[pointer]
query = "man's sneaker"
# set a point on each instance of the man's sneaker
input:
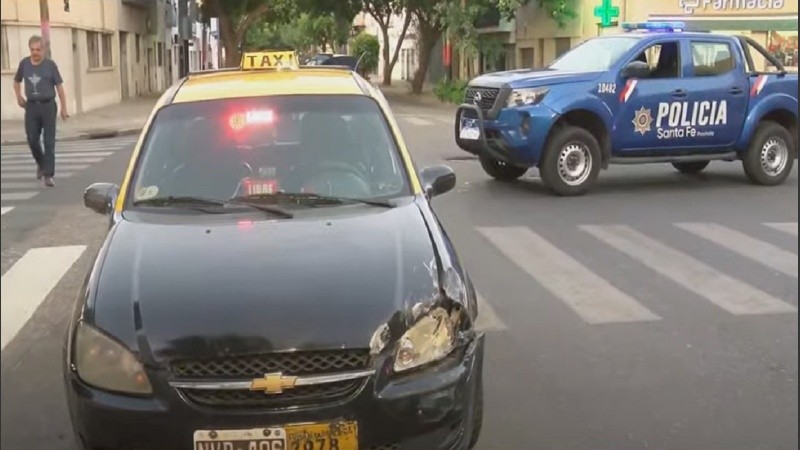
(48, 181)
(39, 173)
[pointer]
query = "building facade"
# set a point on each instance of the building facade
(534, 39)
(107, 50)
(407, 60)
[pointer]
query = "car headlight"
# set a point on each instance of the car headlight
(107, 364)
(524, 97)
(430, 339)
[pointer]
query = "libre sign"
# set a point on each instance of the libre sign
(689, 6)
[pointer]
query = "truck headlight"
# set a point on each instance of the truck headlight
(524, 97)
(107, 364)
(430, 339)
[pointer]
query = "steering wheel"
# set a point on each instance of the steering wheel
(332, 173)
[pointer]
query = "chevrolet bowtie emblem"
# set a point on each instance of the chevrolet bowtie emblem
(273, 383)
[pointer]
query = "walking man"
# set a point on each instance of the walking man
(42, 81)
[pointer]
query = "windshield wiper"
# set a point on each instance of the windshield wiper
(202, 201)
(315, 199)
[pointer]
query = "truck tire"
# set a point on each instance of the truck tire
(501, 170)
(690, 167)
(571, 161)
(771, 155)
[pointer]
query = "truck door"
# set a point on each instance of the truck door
(717, 102)
(638, 126)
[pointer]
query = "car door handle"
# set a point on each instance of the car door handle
(736, 91)
(679, 93)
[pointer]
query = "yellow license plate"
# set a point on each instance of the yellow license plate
(310, 436)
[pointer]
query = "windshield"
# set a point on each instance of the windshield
(327, 145)
(594, 55)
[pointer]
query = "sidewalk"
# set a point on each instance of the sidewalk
(399, 93)
(121, 119)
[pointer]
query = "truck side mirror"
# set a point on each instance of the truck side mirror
(636, 69)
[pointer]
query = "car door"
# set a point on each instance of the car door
(717, 102)
(640, 122)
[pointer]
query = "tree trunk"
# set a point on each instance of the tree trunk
(228, 37)
(387, 67)
(397, 47)
(428, 37)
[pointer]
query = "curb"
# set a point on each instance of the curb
(85, 136)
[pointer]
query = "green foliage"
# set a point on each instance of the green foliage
(450, 91)
(560, 10)
(370, 47)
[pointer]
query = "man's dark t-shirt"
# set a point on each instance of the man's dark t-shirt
(40, 80)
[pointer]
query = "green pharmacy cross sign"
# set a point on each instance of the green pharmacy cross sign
(606, 12)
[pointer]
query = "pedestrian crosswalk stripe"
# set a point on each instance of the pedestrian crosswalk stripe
(28, 174)
(19, 185)
(59, 155)
(5, 209)
(27, 151)
(785, 227)
(13, 196)
(594, 299)
(28, 282)
(446, 120)
(755, 249)
(29, 169)
(726, 292)
(487, 317)
(64, 159)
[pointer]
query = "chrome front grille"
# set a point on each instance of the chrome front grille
(487, 97)
(290, 363)
(248, 367)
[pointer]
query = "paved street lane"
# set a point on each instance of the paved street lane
(657, 312)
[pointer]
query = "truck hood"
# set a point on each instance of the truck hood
(531, 78)
(220, 288)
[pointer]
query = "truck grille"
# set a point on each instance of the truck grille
(246, 367)
(487, 97)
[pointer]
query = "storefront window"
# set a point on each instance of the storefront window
(783, 46)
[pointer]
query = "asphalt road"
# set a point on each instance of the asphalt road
(657, 312)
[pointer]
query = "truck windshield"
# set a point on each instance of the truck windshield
(594, 55)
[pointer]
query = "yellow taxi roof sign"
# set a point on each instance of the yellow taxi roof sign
(269, 60)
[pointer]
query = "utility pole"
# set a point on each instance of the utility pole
(44, 14)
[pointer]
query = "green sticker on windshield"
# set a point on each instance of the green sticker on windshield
(147, 192)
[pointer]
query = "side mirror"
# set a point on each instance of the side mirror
(100, 197)
(636, 69)
(436, 180)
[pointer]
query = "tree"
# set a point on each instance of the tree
(366, 47)
(383, 11)
(236, 17)
(560, 10)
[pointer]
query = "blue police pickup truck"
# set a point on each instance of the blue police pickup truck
(653, 94)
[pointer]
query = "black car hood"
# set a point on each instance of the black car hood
(223, 287)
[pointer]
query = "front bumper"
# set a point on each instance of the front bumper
(426, 410)
(516, 136)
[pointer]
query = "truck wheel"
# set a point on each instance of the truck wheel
(771, 155)
(571, 161)
(690, 167)
(501, 170)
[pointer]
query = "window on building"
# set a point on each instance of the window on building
(92, 49)
(160, 54)
(664, 60)
(108, 60)
(4, 37)
(563, 45)
(526, 56)
(711, 58)
(138, 44)
(783, 46)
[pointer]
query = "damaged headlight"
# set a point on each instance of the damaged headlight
(529, 96)
(107, 364)
(430, 339)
